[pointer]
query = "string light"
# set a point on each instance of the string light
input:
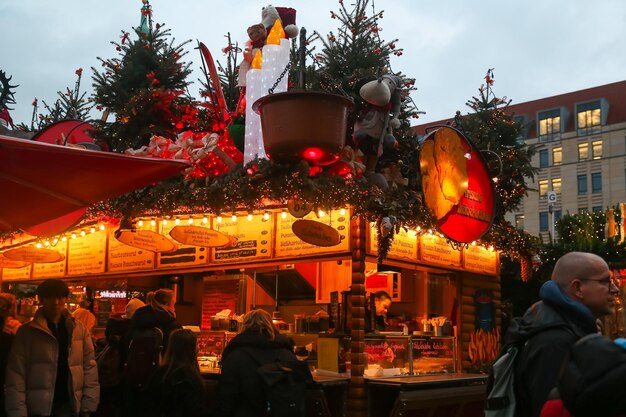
(64, 238)
(140, 223)
(219, 219)
(342, 211)
(153, 222)
(321, 213)
(82, 233)
(46, 243)
(249, 217)
(177, 221)
(234, 217)
(102, 227)
(73, 236)
(190, 221)
(205, 220)
(38, 245)
(92, 230)
(55, 241)
(164, 222)
(266, 216)
(283, 214)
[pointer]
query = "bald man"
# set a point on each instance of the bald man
(580, 292)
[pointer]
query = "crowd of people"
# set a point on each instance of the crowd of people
(565, 368)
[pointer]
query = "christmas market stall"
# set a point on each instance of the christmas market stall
(303, 192)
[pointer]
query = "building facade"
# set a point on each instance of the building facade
(581, 154)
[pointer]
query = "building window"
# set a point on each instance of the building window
(543, 158)
(543, 221)
(582, 210)
(556, 185)
(519, 221)
(596, 182)
(596, 209)
(596, 149)
(588, 117)
(582, 184)
(557, 156)
(549, 125)
(583, 151)
(557, 215)
(543, 187)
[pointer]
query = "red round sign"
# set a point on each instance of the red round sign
(456, 185)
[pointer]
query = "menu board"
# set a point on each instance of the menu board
(52, 269)
(290, 245)
(128, 258)
(388, 353)
(480, 259)
(185, 255)
(436, 250)
(87, 254)
(16, 274)
(404, 245)
(252, 239)
(218, 295)
(210, 344)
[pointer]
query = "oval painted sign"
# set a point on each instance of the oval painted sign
(456, 185)
(32, 254)
(199, 236)
(298, 208)
(9, 263)
(145, 239)
(316, 233)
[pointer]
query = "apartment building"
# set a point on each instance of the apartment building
(581, 154)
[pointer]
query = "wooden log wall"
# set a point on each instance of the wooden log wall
(470, 282)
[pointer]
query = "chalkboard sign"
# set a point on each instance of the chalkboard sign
(210, 344)
(334, 309)
(218, 295)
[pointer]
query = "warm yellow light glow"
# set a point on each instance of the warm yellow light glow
(64, 238)
(55, 241)
(205, 220)
(219, 219)
(92, 230)
(342, 211)
(321, 213)
(234, 217)
(190, 221)
(153, 222)
(102, 227)
(82, 233)
(140, 223)
(177, 221)
(164, 222)
(276, 34)
(266, 216)
(73, 235)
(38, 245)
(257, 61)
(249, 217)
(283, 214)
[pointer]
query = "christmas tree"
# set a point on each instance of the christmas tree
(144, 88)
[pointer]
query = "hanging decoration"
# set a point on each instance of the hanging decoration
(32, 254)
(316, 233)
(145, 239)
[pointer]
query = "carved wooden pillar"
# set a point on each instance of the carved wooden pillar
(357, 397)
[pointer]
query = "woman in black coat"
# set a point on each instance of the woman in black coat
(177, 388)
(240, 389)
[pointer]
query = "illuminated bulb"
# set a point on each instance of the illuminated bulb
(283, 214)
(55, 241)
(190, 221)
(468, 156)
(234, 217)
(249, 217)
(101, 227)
(321, 213)
(491, 248)
(64, 238)
(474, 243)
(73, 235)
(140, 223)
(82, 233)
(205, 220)
(342, 211)
(153, 222)
(38, 245)
(219, 219)
(495, 179)
(164, 222)
(177, 221)
(418, 228)
(266, 216)
(46, 243)
(430, 231)
(92, 230)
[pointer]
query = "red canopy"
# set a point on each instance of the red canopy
(40, 182)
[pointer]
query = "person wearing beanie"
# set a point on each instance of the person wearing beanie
(159, 312)
(85, 316)
(132, 306)
(51, 369)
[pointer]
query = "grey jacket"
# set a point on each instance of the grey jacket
(32, 368)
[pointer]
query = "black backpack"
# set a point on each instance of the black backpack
(144, 356)
(109, 363)
(285, 386)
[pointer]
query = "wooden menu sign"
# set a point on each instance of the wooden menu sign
(218, 295)
(316, 233)
(199, 236)
(53, 269)
(480, 259)
(145, 239)
(288, 244)
(33, 254)
(183, 254)
(436, 250)
(404, 245)
(87, 254)
(123, 257)
(252, 239)
(16, 274)
(10, 263)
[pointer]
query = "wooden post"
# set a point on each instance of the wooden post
(357, 396)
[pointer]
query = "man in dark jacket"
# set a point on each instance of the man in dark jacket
(581, 291)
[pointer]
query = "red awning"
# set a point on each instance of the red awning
(40, 182)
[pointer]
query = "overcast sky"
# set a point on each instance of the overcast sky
(538, 48)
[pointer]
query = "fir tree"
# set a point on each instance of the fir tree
(144, 88)
(496, 132)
